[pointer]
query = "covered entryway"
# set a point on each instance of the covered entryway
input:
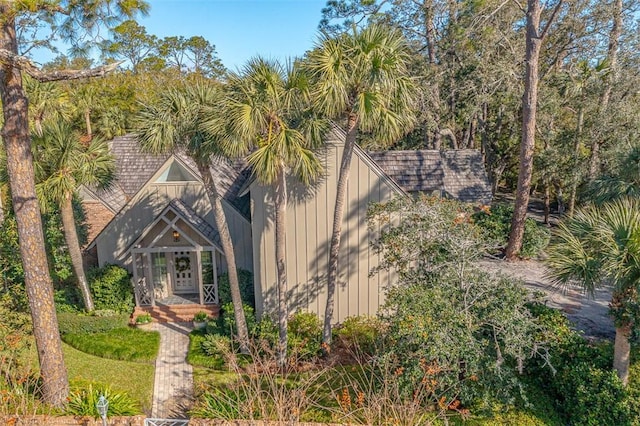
(177, 257)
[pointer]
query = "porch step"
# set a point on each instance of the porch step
(175, 313)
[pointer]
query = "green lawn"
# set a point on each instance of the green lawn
(127, 344)
(135, 378)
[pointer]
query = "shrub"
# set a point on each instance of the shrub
(585, 389)
(82, 402)
(111, 288)
(496, 224)
(358, 334)
(227, 321)
(245, 281)
(215, 345)
(67, 299)
(304, 335)
(70, 323)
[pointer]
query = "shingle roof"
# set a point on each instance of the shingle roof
(195, 221)
(135, 167)
(458, 174)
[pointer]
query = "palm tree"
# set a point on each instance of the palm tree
(46, 101)
(601, 245)
(268, 111)
(62, 164)
(176, 120)
(362, 80)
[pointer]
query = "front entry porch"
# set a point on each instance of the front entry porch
(176, 260)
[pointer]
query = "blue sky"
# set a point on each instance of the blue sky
(240, 29)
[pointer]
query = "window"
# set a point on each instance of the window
(176, 173)
(207, 267)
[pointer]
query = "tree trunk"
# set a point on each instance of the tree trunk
(612, 59)
(429, 30)
(529, 107)
(281, 237)
(576, 157)
(87, 121)
(334, 250)
(622, 353)
(71, 238)
(39, 287)
(229, 254)
(547, 201)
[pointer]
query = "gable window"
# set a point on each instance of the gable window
(176, 173)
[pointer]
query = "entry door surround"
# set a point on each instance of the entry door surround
(184, 274)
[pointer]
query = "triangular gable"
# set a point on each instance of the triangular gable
(176, 172)
(174, 211)
(162, 170)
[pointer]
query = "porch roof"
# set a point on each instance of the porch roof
(196, 222)
(190, 217)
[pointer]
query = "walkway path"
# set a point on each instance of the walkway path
(589, 314)
(173, 384)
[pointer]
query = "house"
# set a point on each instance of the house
(157, 222)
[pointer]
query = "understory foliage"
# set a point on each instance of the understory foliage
(245, 281)
(82, 402)
(457, 335)
(585, 390)
(111, 288)
(496, 223)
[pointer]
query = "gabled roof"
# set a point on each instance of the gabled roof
(195, 221)
(191, 218)
(457, 174)
(135, 167)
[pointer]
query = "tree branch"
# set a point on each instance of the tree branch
(26, 65)
(550, 21)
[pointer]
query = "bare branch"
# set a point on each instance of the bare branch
(551, 19)
(26, 65)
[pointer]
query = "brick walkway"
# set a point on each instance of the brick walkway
(173, 384)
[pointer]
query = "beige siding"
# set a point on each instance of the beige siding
(144, 208)
(309, 225)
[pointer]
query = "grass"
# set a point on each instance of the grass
(135, 378)
(127, 344)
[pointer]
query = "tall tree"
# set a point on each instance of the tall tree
(361, 79)
(194, 54)
(269, 117)
(612, 62)
(63, 163)
(71, 19)
(177, 119)
(535, 36)
(602, 245)
(130, 42)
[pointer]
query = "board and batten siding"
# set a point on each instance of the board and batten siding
(309, 224)
(149, 202)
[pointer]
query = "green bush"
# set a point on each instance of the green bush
(496, 224)
(67, 299)
(70, 323)
(196, 355)
(304, 335)
(245, 281)
(215, 345)
(82, 402)
(111, 288)
(226, 323)
(585, 388)
(358, 334)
